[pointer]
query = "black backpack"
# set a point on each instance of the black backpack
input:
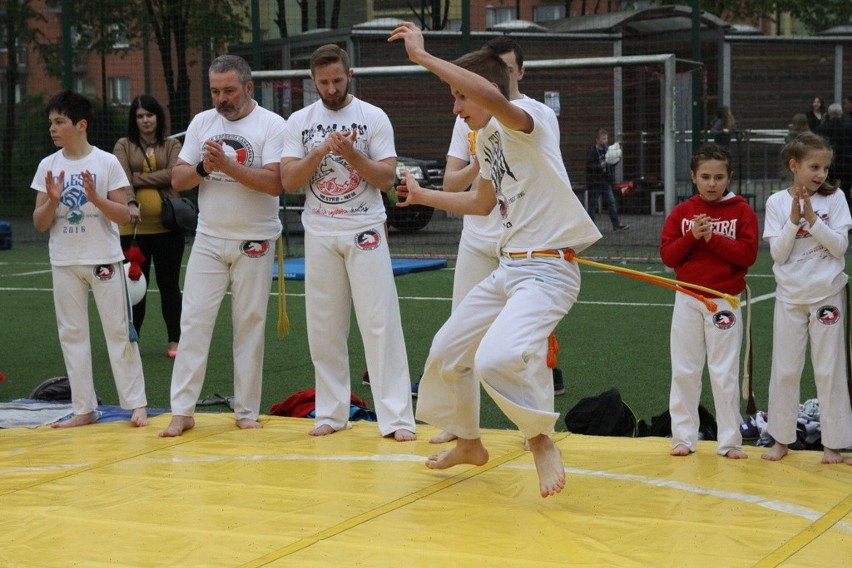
(55, 389)
(662, 425)
(602, 415)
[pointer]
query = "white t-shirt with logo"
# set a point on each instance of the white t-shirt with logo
(81, 233)
(228, 209)
(538, 208)
(810, 272)
(337, 200)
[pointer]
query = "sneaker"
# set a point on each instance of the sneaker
(558, 383)
(621, 228)
(365, 378)
(415, 388)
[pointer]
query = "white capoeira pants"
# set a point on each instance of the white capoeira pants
(71, 286)
(498, 337)
(214, 265)
(477, 258)
(822, 322)
(340, 273)
(698, 336)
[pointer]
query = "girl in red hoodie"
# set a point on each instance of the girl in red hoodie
(710, 240)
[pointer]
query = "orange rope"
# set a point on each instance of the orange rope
(658, 280)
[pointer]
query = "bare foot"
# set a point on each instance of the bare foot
(442, 438)
(548, 464)
(403, 435)
(527, 447)
(776, 452)
(736, 454)
(77, 420)
(831, 456)
(248, 424)
(323, 430)
(680, 450)
(178, 426)
(466, 452)
(139, 416)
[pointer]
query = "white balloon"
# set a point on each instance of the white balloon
(135, 288)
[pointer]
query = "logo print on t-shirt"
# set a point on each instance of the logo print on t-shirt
(104, 272)
(368, 240)
(254, 249)
(73, 197)
(828, 315)
(724, 319)
(237, 148)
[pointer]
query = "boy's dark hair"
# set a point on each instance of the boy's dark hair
(799, 147)
(707, 152)
(505, 44)
(149, 103)
(328, 54)
(487, 63)
(73, 105)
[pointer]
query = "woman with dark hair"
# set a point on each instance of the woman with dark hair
(817, 114)
(148, 158)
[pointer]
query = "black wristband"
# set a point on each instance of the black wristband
(200, 170)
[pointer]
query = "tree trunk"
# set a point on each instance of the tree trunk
(9, 129)
(335, 14)
(281, 18)
(182, 113)
(320, 13)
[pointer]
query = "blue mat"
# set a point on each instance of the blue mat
(294, 268)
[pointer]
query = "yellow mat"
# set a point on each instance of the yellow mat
(112, 495)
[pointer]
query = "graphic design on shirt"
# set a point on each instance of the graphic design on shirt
(236, 148)
(722, 227)
(803, 232)
(74, 197)
(335, 181)
(828, 315)
(104, 272)
(724, 319)
(368, 240)
(499, 168)
(254, 249)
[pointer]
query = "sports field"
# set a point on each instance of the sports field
(616, 336)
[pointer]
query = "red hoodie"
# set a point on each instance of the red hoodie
(722, 262)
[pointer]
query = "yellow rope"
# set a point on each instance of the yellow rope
(283, 320)
(733, 300)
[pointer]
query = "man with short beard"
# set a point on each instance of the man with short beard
(342, 149)
(232, 154)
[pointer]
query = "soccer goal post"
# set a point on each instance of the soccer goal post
(635, 98)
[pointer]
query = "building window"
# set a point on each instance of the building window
(119, 90)
(85, 86)
(118, 33)
(548, 13)
(494, 16)
(3, 93)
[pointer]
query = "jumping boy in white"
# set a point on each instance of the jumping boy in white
(82, 200)
(342, 149)
(232, 151)
(497, 335)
